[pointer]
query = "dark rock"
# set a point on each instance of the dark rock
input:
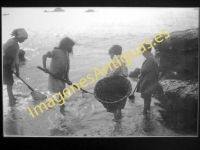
(179, 53)
(181, 94)
(135, 73)
(178, 64)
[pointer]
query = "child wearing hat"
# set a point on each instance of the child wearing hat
(148, 78)
(11, 59)
(60, 64)
(115, 52)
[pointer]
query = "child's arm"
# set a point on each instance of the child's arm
(44, 59)
(66, 76)
(66, 73)
(17, 63)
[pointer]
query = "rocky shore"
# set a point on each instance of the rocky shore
(179, 73)
(181, 94)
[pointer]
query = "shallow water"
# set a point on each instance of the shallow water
(86, 116)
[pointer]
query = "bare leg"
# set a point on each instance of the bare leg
(10, 92)
(119, 114)
(10, 95)
(115, 114)
(145, 106)
(62, 111)
(149, 103)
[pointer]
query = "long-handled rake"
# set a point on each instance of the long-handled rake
(34, 94)
(132, 97)
(61, 79)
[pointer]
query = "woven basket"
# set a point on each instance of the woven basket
(112, 92)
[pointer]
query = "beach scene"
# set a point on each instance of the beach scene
(94, 33)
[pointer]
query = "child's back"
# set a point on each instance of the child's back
(59, 61)
(59, 64)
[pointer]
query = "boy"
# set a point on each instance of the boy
(11, 59)
(149, 79)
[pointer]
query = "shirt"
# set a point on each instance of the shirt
(149, 74)
(60, 61)
(120, 71)
(11, 52)
(58, 66)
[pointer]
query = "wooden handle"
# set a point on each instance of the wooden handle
(61, 79)
(21, 79)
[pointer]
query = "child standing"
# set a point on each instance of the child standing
(116, 51)
(11, 60)
(149, 79)
(60, 64)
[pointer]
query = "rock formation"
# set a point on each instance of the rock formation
(135, 73)
(179, 66)
(58, 10)
(179, 53)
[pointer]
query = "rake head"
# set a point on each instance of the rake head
(38, 95)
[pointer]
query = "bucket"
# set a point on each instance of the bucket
(112, 92)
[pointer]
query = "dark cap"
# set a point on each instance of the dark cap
(115, 49)
(146, 46)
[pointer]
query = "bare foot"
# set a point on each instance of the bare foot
(62, 111)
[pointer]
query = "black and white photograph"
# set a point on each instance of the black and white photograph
(100, 71)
